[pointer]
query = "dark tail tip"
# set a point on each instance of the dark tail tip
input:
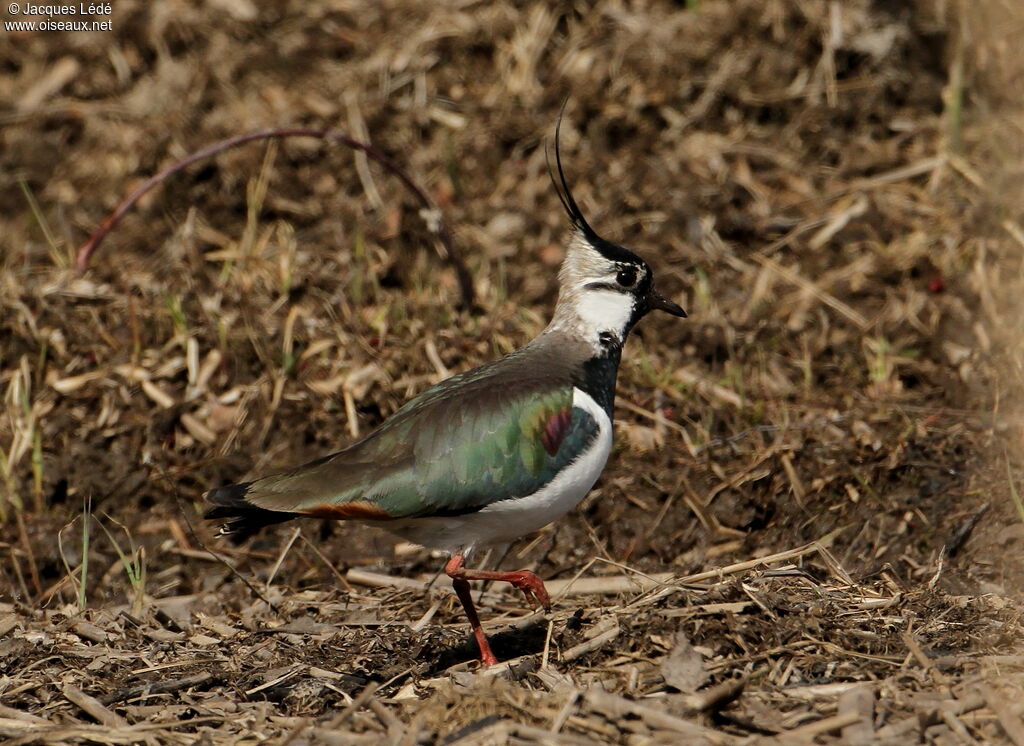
(243, 519)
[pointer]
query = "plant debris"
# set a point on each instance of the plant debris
(811, 527)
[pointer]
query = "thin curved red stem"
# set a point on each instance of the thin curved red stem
(86, 250)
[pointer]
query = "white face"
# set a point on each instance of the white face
(597, 294)
(604, 311)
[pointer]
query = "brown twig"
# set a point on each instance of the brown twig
(616, 708)
(595, 643)
(93, 707)
(818, 727)
(712, 699)
(156, 687)
(925, 718)
(357, 704)
(446, 249)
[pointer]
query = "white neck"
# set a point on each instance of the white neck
(587, 313)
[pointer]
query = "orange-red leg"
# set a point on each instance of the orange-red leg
(524, 580)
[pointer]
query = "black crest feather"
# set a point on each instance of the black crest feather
(610, 250)
(572, 209)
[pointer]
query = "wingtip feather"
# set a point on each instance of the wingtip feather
(241, 518)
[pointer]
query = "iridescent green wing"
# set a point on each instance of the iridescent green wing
(455, 449)
(469, 457)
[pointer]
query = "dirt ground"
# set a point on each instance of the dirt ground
(811, 527)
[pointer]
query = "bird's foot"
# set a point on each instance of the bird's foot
(532, 587)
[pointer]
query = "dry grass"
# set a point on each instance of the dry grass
(811, 527)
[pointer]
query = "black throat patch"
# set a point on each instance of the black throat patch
(598, 375)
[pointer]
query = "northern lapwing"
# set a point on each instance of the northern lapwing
(491, 454)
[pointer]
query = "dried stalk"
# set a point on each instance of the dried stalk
(446, 249)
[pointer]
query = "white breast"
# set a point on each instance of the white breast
(510, 519)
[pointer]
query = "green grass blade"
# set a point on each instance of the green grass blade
(58, 258)
(83, 576)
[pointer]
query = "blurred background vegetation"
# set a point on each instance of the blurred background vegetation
(831, 189)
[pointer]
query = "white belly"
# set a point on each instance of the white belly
(510, 519)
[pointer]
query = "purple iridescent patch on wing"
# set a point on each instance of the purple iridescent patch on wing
(555, 430)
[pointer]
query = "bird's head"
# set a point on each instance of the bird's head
(604, 289)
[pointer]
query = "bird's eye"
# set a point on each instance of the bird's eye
(626, 277)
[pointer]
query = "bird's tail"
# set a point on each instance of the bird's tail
(243, 517)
